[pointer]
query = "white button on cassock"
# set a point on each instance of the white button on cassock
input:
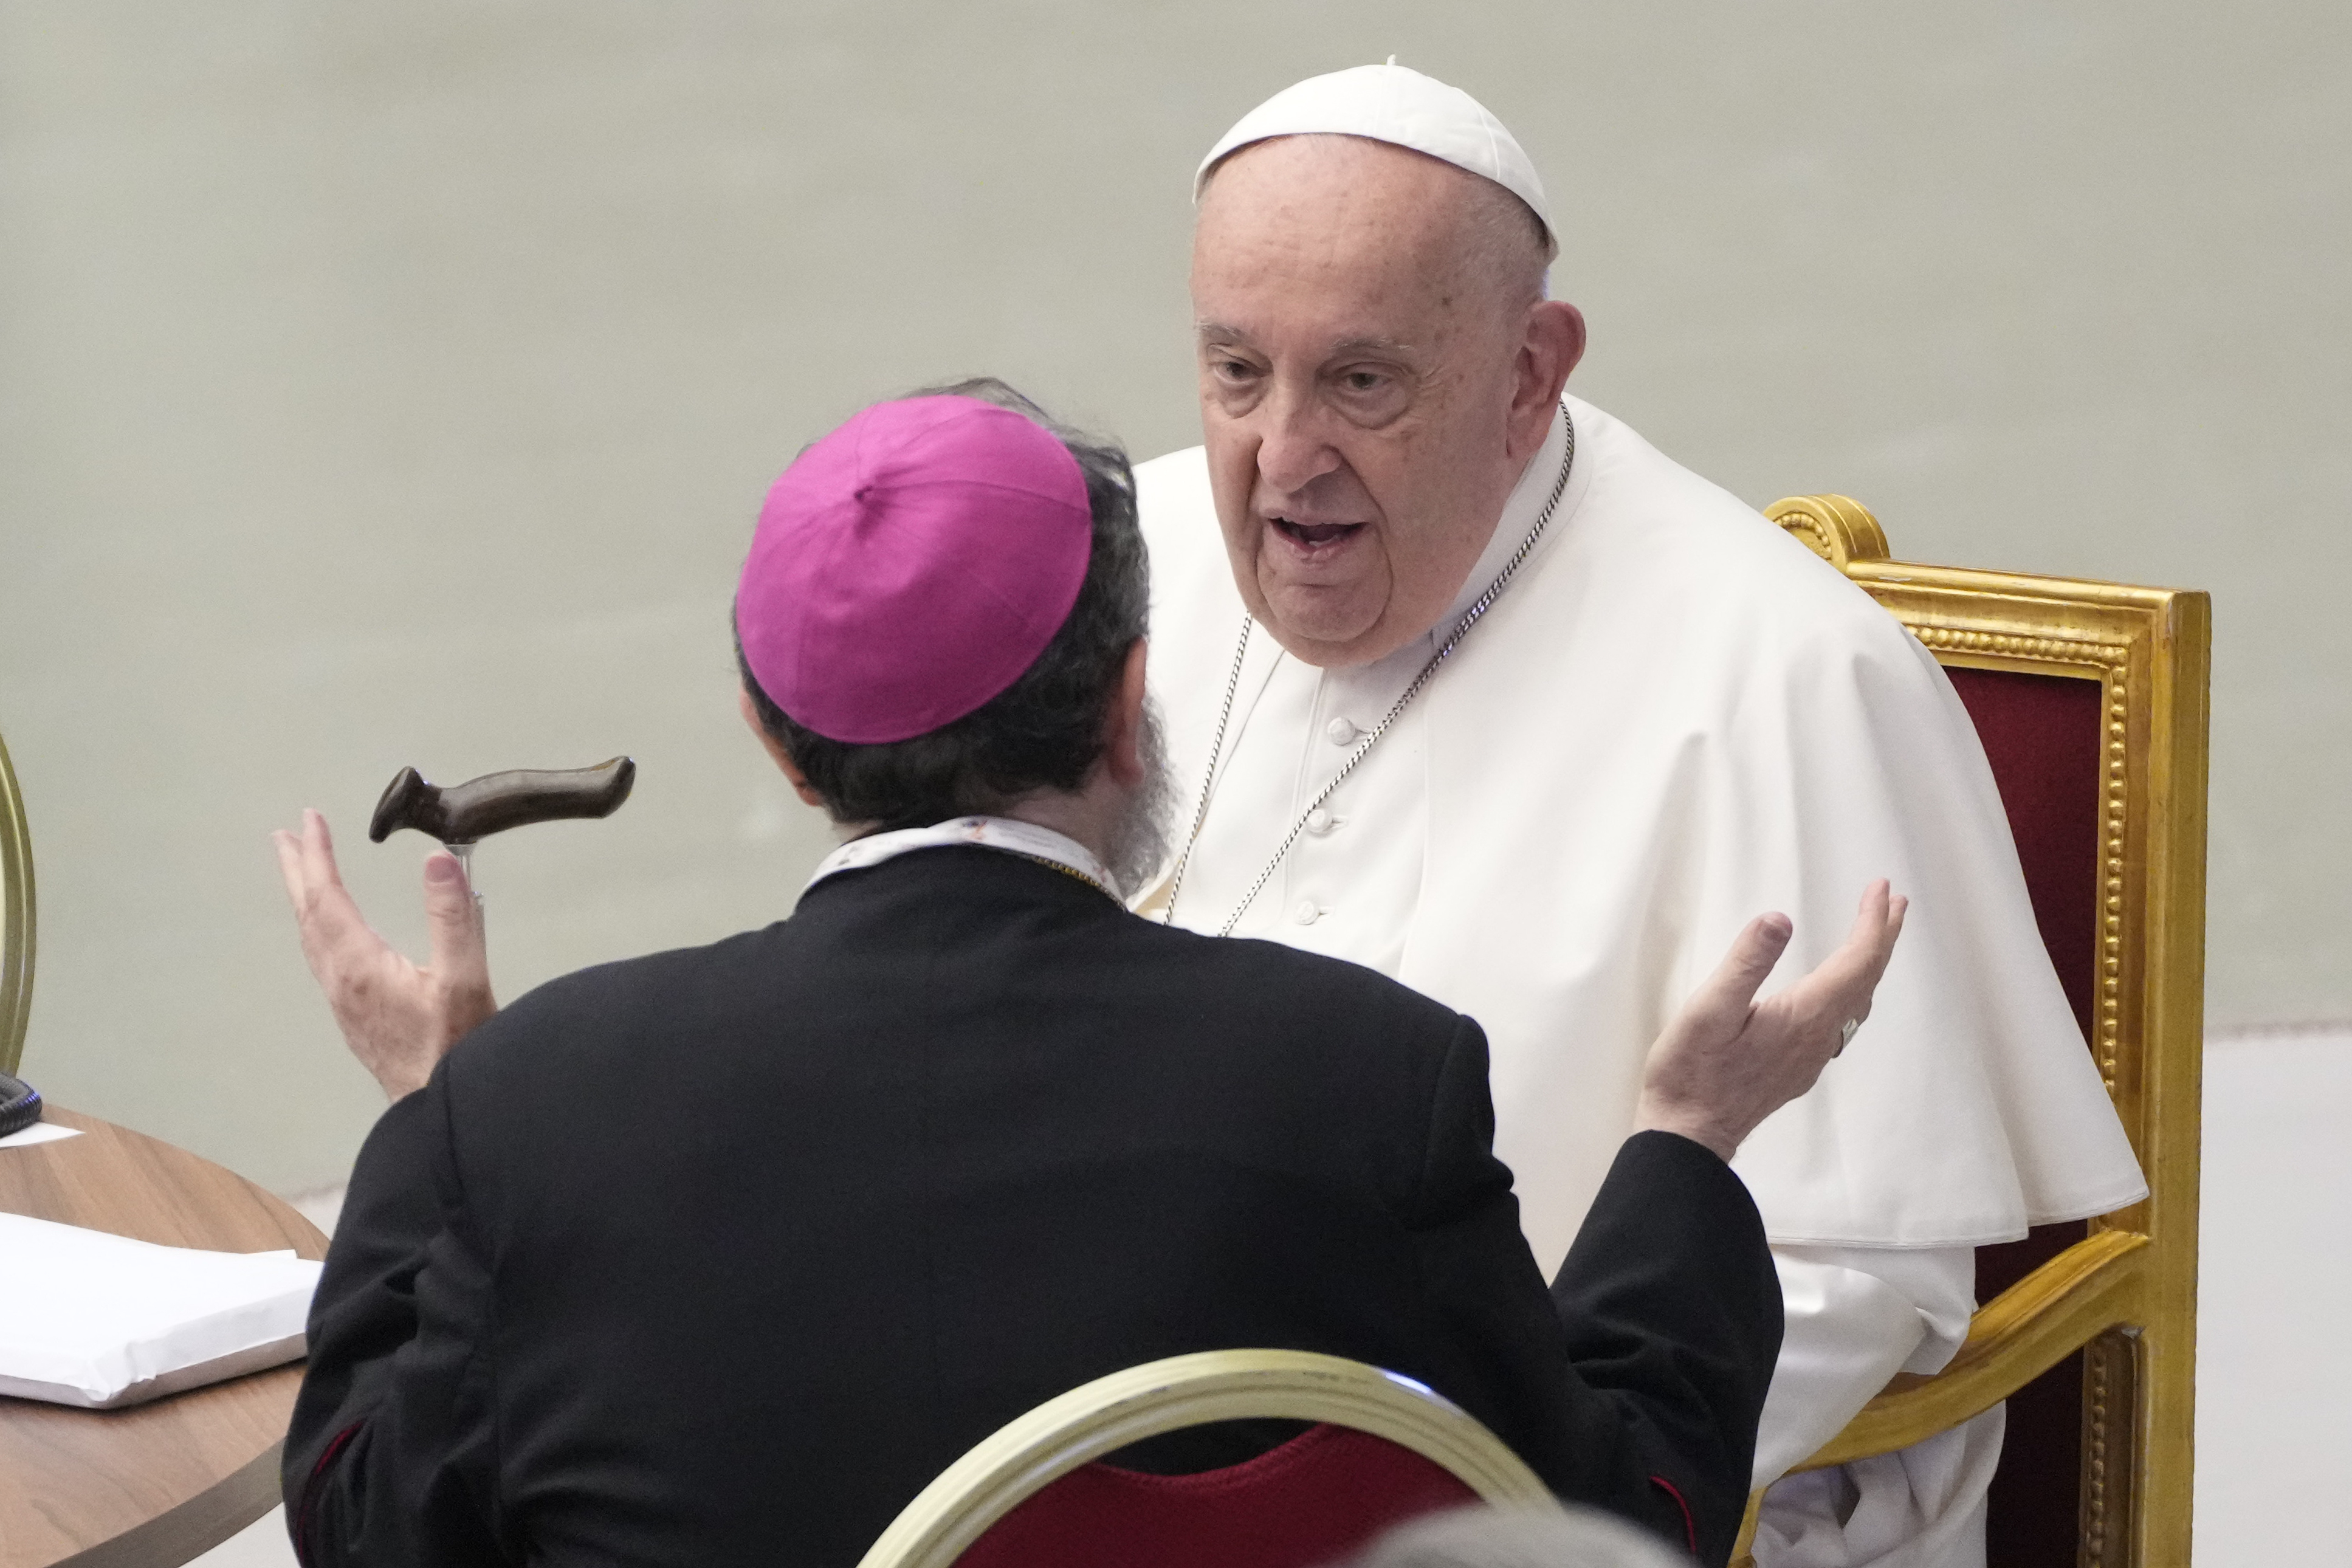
(1306, 914)
(1342, 732)
(1319, 821)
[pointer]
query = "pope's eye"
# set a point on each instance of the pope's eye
(1363, 380)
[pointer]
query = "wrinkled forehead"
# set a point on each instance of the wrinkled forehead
(1329, 173)
(1326, 201)
(1353, 236)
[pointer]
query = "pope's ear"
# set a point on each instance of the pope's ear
(1554, 344)
(775, 750)
(1123, 727)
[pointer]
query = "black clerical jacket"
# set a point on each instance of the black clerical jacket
(720, 1256)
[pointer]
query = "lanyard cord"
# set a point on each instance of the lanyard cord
(1069, 871)
(1470, 617)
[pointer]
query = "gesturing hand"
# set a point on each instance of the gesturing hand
(398, 1018)
(1727, 1061)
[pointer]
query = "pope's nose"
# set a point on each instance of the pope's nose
(1292, 453)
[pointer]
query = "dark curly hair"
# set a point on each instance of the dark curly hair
(1045, 732)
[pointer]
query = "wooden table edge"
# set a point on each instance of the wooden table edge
(181, 1534)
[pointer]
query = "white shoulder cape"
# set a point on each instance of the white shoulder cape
(1674, 718)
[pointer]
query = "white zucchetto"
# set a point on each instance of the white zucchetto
(1398, 105)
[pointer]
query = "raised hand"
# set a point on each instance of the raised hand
(1727, 1061)
(398, 1019)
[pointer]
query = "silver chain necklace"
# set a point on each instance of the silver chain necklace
(1470, 617)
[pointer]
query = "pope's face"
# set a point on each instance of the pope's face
(1358, 374)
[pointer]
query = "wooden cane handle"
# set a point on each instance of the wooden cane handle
(470, 812)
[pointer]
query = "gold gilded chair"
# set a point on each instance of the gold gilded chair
(1061, 1440)
(15, 918)
(2091, 700)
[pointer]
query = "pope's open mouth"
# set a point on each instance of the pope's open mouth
(1313, 537)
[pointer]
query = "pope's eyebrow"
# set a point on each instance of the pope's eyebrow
(1391, 348)
(1385, 348)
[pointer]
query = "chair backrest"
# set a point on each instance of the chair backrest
(15, 918)
(1036, 1492)
(2090, 698)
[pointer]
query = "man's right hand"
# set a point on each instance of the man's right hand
(1727, 1061)
(398, 1019)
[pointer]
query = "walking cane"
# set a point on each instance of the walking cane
(462, 815)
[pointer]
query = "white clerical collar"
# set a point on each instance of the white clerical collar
(1519, 514)
(1026, 839)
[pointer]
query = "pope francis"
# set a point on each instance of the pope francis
(1475, 687)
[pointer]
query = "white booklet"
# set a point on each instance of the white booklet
(102, 1320)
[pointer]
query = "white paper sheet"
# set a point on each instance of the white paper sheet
(39, 1132)
(102, 1320)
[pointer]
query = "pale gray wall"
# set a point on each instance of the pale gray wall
(387, 384)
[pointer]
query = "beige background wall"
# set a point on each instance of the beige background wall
(386, 384)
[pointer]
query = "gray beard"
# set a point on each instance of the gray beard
(1138, 839)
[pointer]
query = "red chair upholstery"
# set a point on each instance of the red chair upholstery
(1313, 1501)
(2041, 732)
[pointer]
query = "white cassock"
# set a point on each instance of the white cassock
(1674, 718)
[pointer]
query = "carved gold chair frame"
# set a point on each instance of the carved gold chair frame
(2125, 1295)
(15, 918)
